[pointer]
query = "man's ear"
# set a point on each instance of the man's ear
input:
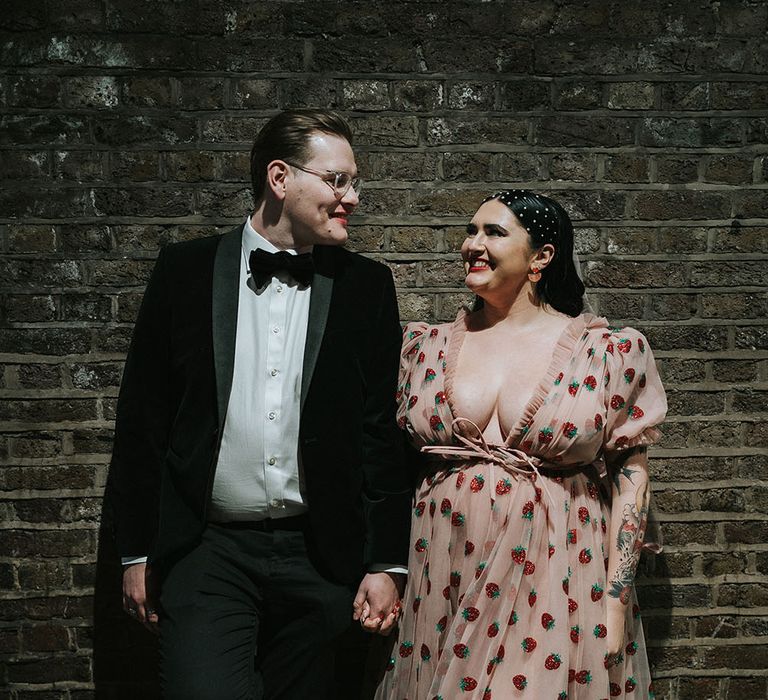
(277, 176)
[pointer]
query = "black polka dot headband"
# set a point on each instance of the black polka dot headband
(538, 218)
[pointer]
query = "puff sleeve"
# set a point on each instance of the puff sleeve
(635, 398)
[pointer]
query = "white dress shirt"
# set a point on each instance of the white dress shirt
(258, 473)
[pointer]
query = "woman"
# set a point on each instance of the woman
(523, 556)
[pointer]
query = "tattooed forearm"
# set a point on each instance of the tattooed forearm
(629, 544)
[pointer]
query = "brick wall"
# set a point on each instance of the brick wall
(126, 124)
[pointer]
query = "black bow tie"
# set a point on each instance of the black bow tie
(264, 265)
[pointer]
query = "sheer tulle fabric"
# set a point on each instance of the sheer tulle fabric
(507, 572)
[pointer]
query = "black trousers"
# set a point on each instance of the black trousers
(246, 616)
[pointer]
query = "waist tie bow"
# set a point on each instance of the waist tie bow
(515, 462)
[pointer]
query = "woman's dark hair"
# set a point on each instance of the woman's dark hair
(286, 137)
(547, 222)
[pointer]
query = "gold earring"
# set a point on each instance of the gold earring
(535, 274)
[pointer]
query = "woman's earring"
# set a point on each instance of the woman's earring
(535, 274)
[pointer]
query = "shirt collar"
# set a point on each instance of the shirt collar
(253, 240)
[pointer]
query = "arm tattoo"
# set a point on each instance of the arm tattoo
(629, 543)
(620, 467)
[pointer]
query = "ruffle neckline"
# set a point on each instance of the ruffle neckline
(561, 354)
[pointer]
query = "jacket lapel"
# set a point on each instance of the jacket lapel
(226, 281)
(319, 304)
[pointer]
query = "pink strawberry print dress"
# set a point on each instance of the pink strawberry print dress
(507, 574)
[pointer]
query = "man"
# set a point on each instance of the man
(257, 461)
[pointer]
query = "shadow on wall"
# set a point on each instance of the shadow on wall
(125, 655)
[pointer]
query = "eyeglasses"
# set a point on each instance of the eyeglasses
(339, 182)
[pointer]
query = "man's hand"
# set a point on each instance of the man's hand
(139, 595)
(374, 604)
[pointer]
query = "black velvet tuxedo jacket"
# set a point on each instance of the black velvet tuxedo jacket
(175, 389)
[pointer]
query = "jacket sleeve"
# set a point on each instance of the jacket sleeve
(142, 423)
(386, 486)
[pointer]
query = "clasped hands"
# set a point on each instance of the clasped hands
(377, 603)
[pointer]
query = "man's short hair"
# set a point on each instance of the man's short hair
(286, 137)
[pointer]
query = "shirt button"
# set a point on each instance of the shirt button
(275, 330)
(276, 503)
(271, 460)
(279, 290)
(274, 372)
(271, 415)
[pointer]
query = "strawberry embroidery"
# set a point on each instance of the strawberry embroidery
(518, 554)
(635, 412)
(547, 621)
(469, 547)
(631, 649)
(439, 398)
(421, 544)
(545, 435)
(529, 567)
(406, 649)
(583, 514)
(600, 631)
(436, 423)
(552, 662)
(432, 507)
(528, 644)
(550, 550)
(441, 623)
(457, 520)
(513, 618)
(425, 653)
(617, 402)
(629, 375)
(416, 603)
(630, 684)
(596, 593)
(642, 381)
(419, 509)
(609, 348)
(503, 487)
(445, 507)
(575, 634)
(566, 585)
(413, 401)
(433, 333)
(569, 430)
(470, 614)
(460, 479)
(640, 345)
(573, 606)
(477, 483)
(467, 684)
(624, 345)
(615, 689)
(519, 681)
(571, 538)
(455, 579)
(585, 555)
(590, 383)
(573, 387)
(487, 694)
(583, 677)
(558, 379)
(429, 375)
(492, 590)
(461, 651)
(592, 489)
(480, 568)
(493, 629)
(532, 598)
(420, 358)
(528, 510)
(447, 592)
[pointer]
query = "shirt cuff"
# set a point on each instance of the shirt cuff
(127, 561)
(388, 569)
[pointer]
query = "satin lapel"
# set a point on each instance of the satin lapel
(226, 281)
(319, 304)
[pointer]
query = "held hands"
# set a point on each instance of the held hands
(139, 596)
(377, 603)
